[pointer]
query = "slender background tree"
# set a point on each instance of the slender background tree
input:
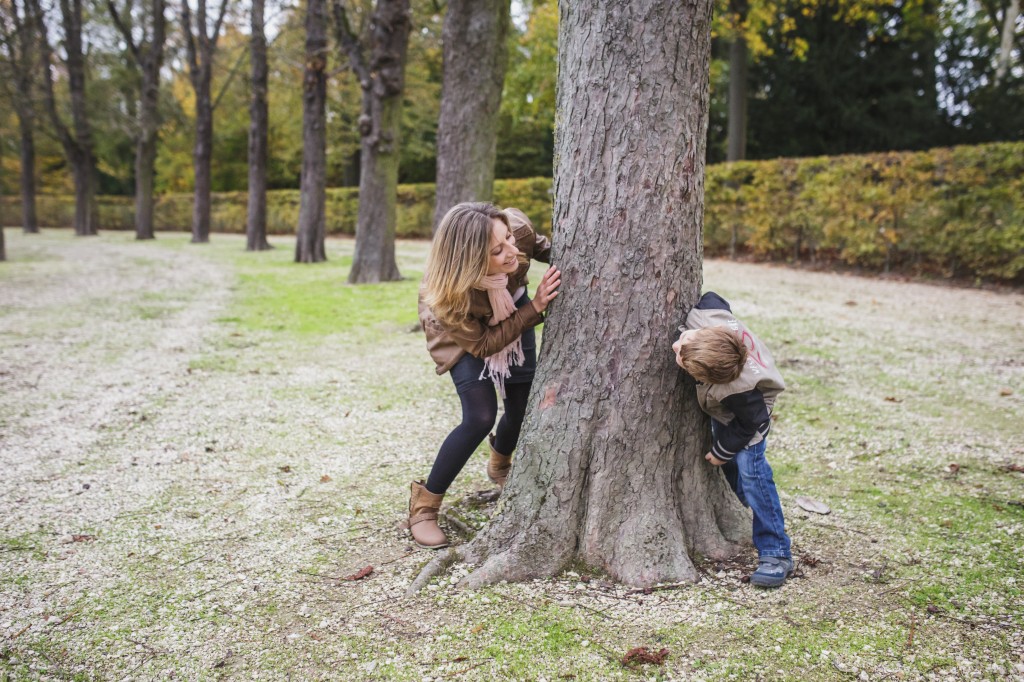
(76, 141)
(256, 215)
(475, 57)
(309, 243)
(146, 55)
(18, 66)
(385, 39)
(201, 47)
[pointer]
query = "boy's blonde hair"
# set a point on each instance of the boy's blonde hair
(517, 219)
(458, 260)
(714, 355)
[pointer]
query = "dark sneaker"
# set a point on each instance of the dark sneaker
(772, 571)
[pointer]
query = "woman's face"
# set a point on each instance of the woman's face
(502, 250)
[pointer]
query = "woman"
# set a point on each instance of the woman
(479, 324)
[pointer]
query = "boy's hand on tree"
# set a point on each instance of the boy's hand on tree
(547, 289)
(714, 460)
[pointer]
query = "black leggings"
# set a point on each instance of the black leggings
(479, 409)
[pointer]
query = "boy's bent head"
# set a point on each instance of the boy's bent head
(713, 355)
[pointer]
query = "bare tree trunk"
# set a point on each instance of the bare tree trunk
(202, 155)
(736, 135)
(256, 217)
(610, 469)
(1006, 42)
(147, 57)
(200, 48)
(382, 80)
(26, 124)
(3, 249)
(475, 57)
(77, 144)
(309, 243)
(17, 36)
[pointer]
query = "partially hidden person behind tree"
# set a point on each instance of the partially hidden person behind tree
(479, 323)
(737, 384)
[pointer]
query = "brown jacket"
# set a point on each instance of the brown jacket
(447, 346)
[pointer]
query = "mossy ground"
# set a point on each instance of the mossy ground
(200, 445)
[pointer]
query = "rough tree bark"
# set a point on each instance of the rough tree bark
(147, 58)
(382, 79)
(736, 135)
(256, 216)
(200, 47)
(475, 57)
(309, 242)
(610, 468)
(17, 36)
(77, 141)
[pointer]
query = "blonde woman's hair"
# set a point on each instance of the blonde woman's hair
(715, 355)
(458, 260)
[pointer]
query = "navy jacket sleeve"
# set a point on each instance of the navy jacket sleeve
(712, 301)
(752, 417)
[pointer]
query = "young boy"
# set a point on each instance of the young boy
(737, 384)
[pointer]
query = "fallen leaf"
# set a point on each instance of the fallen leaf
(477, 629)
(808, 560)
(325, 479)
(851, 303)
(286, 469)
(641, 655)
(363, 572)
(812, 505)
(82, 538)
(1005, 392)
(1014, 467)
(953, 468)
(893, 399)
(932, 608)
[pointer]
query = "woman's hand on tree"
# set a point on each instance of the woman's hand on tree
(547, 289)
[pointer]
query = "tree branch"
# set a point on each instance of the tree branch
(190, 42)
(125, 31)
(220, 20)
(231, 77)
(350, 43)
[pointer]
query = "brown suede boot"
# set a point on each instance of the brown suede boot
(498, 465)
(423, 508)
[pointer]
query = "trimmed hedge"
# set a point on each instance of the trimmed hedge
(952, 212)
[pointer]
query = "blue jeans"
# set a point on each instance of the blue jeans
(750, 477)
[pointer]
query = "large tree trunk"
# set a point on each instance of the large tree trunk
(309, 243)
(383, 81)
(256, 217)
(475, 57)
(610, 469)
(26, 124)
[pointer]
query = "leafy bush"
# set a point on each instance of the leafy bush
(955, 212)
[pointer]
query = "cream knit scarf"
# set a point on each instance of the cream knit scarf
(497, 367)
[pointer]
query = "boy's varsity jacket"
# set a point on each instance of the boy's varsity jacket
(743, 406)
(447, 346)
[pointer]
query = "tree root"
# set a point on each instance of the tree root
(438, 565)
